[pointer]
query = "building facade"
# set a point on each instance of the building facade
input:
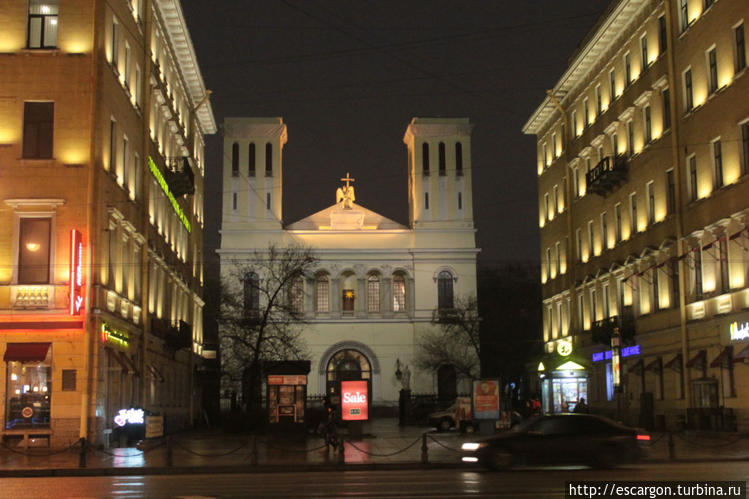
(377, 284)
(643, 156)
(103, 114)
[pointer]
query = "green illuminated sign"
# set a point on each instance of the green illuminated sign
(112, 335)
(160, 179)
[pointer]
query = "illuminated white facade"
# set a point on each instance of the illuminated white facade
(374, 291)
(642, 163)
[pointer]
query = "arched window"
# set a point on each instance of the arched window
(442, 160)
(322, 292)
(458, 159)
(445, 290)
(251, 294)
(373, 293)
(235, 160)
(268, 159)
(425, 158)
(399, 293)
(251, 159)
(296, 295)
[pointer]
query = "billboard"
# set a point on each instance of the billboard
(354, 400)
(486, 399)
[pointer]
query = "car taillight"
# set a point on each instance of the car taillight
(643, 437)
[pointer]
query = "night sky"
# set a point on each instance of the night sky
(348, 76)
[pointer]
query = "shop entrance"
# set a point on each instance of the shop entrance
(567, 392)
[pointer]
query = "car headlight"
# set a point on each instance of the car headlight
(470, 446)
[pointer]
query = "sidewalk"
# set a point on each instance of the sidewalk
(384, 445)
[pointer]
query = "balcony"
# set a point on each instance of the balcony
(602, 331)
(32, 296)
(607, 175)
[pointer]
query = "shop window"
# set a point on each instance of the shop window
(445, 291)
(38, 127)
(28, 385)
(42, 32)
(399, 293)
(34, 250)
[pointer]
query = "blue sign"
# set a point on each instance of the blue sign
(626, 352)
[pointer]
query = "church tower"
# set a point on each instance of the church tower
(439, 173)
(252, 173)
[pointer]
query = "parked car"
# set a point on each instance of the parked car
(458, 415)
(560, 439)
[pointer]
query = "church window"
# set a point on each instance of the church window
(458, 159)
(268, 160)
(399, 293)
(425, 158)
(251, 160)
(296, 295)
(235, 160)
(445, 290)
(373, 293)
(323, 294)
(426, 200)
(251, 294)
(442, 160)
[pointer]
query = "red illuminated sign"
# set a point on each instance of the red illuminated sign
(354, 400)
(76, 272)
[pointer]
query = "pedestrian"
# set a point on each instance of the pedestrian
(330, 432)
(581, 407)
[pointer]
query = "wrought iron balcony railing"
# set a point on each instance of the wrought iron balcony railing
(607, 175)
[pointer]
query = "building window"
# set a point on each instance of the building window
(670, 192)
(614, 144)
(590, 238)
(604, 230)
(698, 273)
(399, 293)
(553, 146)
(558, 254)
(630, 139)
(692, 166)
(674, 283)
(296, 295)
(633, 211)
(605, 302)
(684, 14)
(126, 73)
(138, 83)
(547, 207)
(268, 160)
(593, 312)
(34, 246)
(662, 35)
(125, 179)
(644, 51)
(445, 290)
(460, 201)
(373, 293)
(627, 68)
(425, 158)
(688, 95)
(267, 200)
(322, 294)
(251, 295)
(723, 256)
(115, 46)
(458, 159)
(618, 222)
(612, 84)
(648, 124)
(442, 159)
(546, 155)
(717, 163)
(38, 129)
(234, 201)
(251, 160)
(712, 70)
(581, 311)
(599, 101)
(348, 301)
(586, 112)
(576, 182)
(656, 291)
(666, 96)
(548, 262)
(426, 200)
(578, 245)
(29, 385)
(745, 147)
(650, 188)
(235, 160)
(42, 24)
(556, 207)
(573, 120)
(738, 36)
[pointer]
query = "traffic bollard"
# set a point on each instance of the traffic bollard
(169, 452)
(424, 452)
(82, 455)
(671, 446)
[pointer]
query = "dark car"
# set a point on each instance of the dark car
(560, 439)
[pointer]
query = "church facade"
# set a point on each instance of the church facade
(377, 285)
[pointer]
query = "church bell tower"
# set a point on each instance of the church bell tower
(439, 173)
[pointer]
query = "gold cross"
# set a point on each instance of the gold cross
(348, 179)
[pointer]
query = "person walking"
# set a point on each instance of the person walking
(581, 407)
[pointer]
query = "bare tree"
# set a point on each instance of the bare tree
(456, 342)
(261, 316)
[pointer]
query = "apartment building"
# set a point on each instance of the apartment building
(643, 161)
(103, 114)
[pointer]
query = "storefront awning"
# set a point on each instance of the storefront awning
(723, 358)
(698, 360)
(742, 355)
(26, 352)
(674, 363)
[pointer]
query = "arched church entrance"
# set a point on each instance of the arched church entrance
(347, 365)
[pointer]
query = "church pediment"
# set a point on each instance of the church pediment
(338, 217)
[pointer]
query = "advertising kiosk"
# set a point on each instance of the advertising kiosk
(286, 392)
